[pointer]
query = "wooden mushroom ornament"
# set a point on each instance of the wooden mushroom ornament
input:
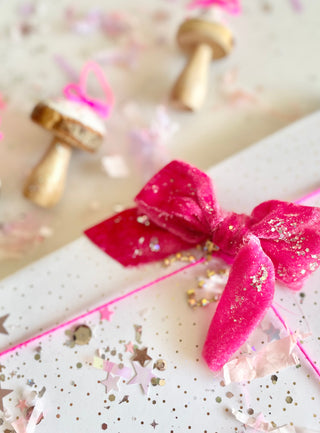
(204, 41)
(73, 125)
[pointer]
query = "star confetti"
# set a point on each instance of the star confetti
(3, 393)
(272, 333)
(111, 383)
(105, 314)
(141, 356)
(154, 424)
(2, 328)
(143, 377)
(129, 347)
(22, 405)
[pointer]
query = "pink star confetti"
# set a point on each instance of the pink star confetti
(111, 383)
(22, 405)
(129, 347)
(105, 314)
(143, 377)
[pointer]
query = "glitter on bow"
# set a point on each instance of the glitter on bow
(177, 207)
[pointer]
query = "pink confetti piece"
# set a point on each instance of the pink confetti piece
(17, 237)
(115, 24)
(274, 357)
(106, 314)
(296, 5)
(113, 368)
(65, 66)
(126, 57)
(148, 144)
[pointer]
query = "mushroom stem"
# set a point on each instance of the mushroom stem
(46, 182)
(190, 88)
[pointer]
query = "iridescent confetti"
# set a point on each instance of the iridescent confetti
(143, 377)
(274, 357)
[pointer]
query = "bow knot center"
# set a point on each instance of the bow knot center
(231, 232)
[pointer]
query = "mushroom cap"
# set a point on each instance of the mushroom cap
(195, 31)
(71, 122)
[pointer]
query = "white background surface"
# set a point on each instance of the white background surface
(270, 79)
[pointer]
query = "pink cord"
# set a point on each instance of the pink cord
(101, 307)
(316, 369)
(78, 92)
(308, 196)
(230, 6)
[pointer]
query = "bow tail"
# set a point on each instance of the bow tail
(132, 239)
(246, 297)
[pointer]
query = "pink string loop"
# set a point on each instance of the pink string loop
(77, 92)
(230, 6)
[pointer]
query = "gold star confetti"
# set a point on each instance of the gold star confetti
(141, 356)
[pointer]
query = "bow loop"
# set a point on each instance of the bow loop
(180, 199)
(290, 235)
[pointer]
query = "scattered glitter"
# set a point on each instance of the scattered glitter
(274, 379)
(160, 365)
(125, 399)
(81, 335)
(154, 244)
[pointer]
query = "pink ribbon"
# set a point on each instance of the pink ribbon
(78, 92)
(230, 6)
(177, 210)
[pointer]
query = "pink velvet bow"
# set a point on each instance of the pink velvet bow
(177, 210)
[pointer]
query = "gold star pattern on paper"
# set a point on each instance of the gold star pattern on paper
(2, 328)
(141, 356)
(3, 393)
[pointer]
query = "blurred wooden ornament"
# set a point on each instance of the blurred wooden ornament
(73, 125)
(204, 41)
